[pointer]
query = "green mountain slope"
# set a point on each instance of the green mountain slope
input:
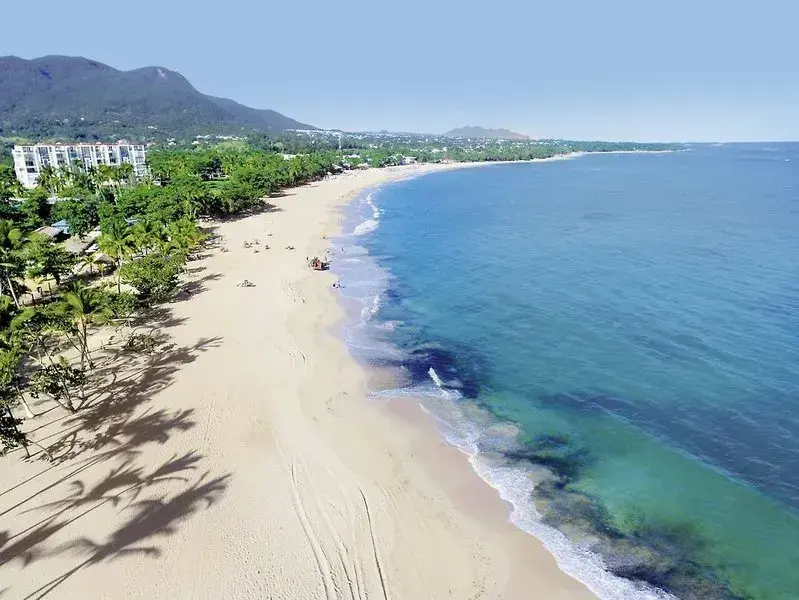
(59, 96)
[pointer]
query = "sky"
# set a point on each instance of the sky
(699, 70)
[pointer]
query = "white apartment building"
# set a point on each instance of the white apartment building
(30, 160)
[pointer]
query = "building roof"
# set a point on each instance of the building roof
(71, 144)
(77, 245)
(49, 231)
(62, 226)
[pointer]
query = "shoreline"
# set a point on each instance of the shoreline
(530, 565)
(415, 401)
(245, 460)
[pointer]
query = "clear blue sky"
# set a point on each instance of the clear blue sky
(618, 69)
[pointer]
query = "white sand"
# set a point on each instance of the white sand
(245, 462)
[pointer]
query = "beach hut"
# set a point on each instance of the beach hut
(50, 231)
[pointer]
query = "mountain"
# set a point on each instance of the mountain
(60, 96)
(482, 133)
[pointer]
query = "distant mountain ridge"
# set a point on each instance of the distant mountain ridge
(483, 133)
(74, 97)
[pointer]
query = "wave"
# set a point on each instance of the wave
(366, 227)
(436, 379)
(368, 312)
(372, 221)
(371, 204)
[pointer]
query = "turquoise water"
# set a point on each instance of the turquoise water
(624, 330)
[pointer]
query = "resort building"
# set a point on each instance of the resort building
(30, 160)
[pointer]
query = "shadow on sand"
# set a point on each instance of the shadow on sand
(113, 426)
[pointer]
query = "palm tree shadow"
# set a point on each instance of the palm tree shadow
(112, 412)
(115, 426)
(194, 287)
(149, 519)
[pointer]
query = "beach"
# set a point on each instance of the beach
(244, 459)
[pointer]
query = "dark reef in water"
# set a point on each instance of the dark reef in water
(781, 482)
(564, 460)
(669, 556)
(458, 370)
(455, 369)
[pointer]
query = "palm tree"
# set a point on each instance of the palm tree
(89, 260)
(79, 177)
(148, 234)
(106, 174)
(11, 189)
(193, 202)
(125, 172)
(182, 236)
(93, 178)
(117, 242)
(50, 180)
(11, 240)
(85, 305)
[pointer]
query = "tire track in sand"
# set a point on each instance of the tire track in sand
(350, 567)
(316, 547)
(375, 550)
(291, 292)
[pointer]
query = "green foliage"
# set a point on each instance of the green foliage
(7, 313)
(9, 186)
(148, 234)
(116, 239)
(136, 200)
(122, 306)
(237, 196)
(81, 213)
(154, 276)
(182, 236)
(9, 211)
(35, 209)
(10, 359)
(10, 435)
(46, 258)
(11, 263)
(49, 181)
(57, 381)
(226, 181)
(37, 329)
(86, 100)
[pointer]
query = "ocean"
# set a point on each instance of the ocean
(613, 340)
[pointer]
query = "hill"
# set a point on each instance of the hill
(482, 133)
(78, 98)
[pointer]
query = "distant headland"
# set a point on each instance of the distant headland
(483, 133)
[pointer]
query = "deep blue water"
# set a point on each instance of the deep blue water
(622, 329)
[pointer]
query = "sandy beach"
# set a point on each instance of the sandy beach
(243, 460)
